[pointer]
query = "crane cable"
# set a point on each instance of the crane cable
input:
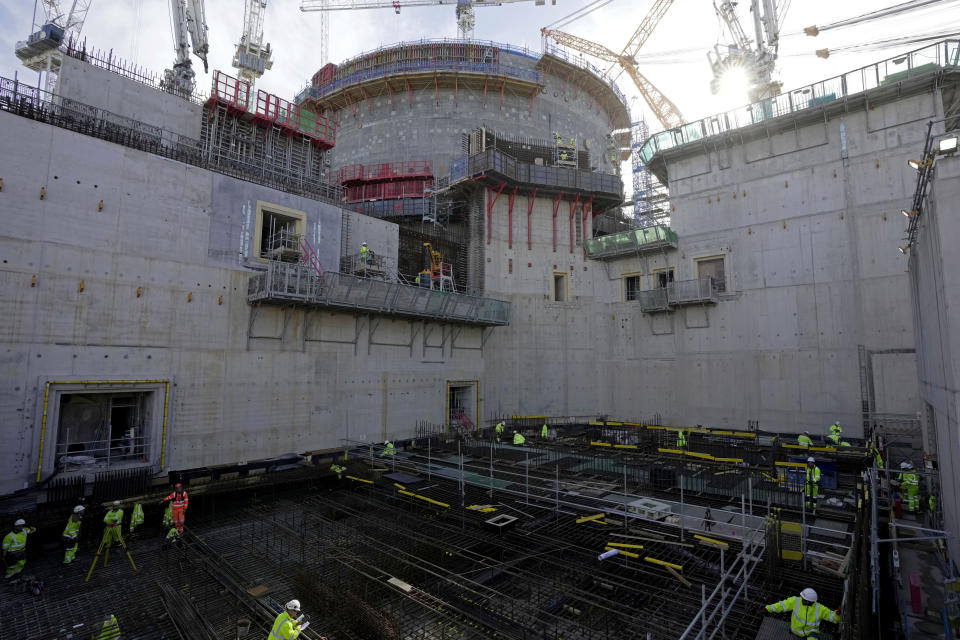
(579, 13)
(874, 15)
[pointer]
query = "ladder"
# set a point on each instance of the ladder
(310, 257)
(466, 424)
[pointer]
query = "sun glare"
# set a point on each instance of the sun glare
(734, 87)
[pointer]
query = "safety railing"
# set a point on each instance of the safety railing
(401, 68)
(33, 103)
(632, 241)
(582, 63)
(387, 190)
(695, 291)
(102, 451)
(231, 91)
(107, 61)
(653, 300)
(284, 282)
(385, 171)
(928, 60)
(500, 163)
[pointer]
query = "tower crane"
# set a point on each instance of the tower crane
(252, 58)
(663, 109)
(189, 18)
(41, 50)
(756, 63)
(466, 20)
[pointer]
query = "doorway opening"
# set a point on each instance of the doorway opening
(104, 429)
(462, 405)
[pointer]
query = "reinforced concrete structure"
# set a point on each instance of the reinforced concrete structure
(215, 290)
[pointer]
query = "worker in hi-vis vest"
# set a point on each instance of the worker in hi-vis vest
(71, 534)
(806, 613)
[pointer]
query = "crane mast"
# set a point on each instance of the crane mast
(252, 58)
(41, 50)
(189, 26)
(758, 63)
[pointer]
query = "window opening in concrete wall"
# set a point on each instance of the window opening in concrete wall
(631, 288)
(278, 232)
(663, 277)
(103, 429)
(462, 405)
(713, 268)
(559, 287)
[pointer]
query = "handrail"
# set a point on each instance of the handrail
(286, 281)
(398, 68)
(929, 59)
(31, 102)
(583, 63)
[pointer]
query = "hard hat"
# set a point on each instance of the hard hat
(386, 442)
(295, 604)
(363, 244)
(19, 523)
(79, 509)
(116, 503)
(809, 595)
(810, 459)
(178, 486)
(905, 464)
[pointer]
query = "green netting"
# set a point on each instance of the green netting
(627, 241)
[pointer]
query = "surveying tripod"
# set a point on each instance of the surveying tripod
(111, 534)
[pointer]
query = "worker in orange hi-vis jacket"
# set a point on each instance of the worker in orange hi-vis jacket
(179, 504)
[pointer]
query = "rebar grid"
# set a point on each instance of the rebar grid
(69, 605)
(535, 474)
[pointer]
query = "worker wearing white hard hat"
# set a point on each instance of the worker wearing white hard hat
(806, 613)
(71, 534)
(287, 625)
(15, 547)
(388, 448)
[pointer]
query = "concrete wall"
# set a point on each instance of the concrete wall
(154, 288)
(98, 87)
(935, 280)
(808, 224)
(808, 227)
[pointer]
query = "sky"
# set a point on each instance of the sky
(673, 59)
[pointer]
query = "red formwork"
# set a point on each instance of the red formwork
(324, 76)
(321, 130)
(399, 170)
(274, 109)
(387, 190)
(233, 92)
(350, 173)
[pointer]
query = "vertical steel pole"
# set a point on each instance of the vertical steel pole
(703, 609)
(682, 465)
(803, 524)
(526, 476)
(557, 507)
(490, 485)
(625, 519)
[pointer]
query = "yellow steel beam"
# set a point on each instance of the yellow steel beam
(595, 516)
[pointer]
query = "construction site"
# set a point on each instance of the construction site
(428, 370)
